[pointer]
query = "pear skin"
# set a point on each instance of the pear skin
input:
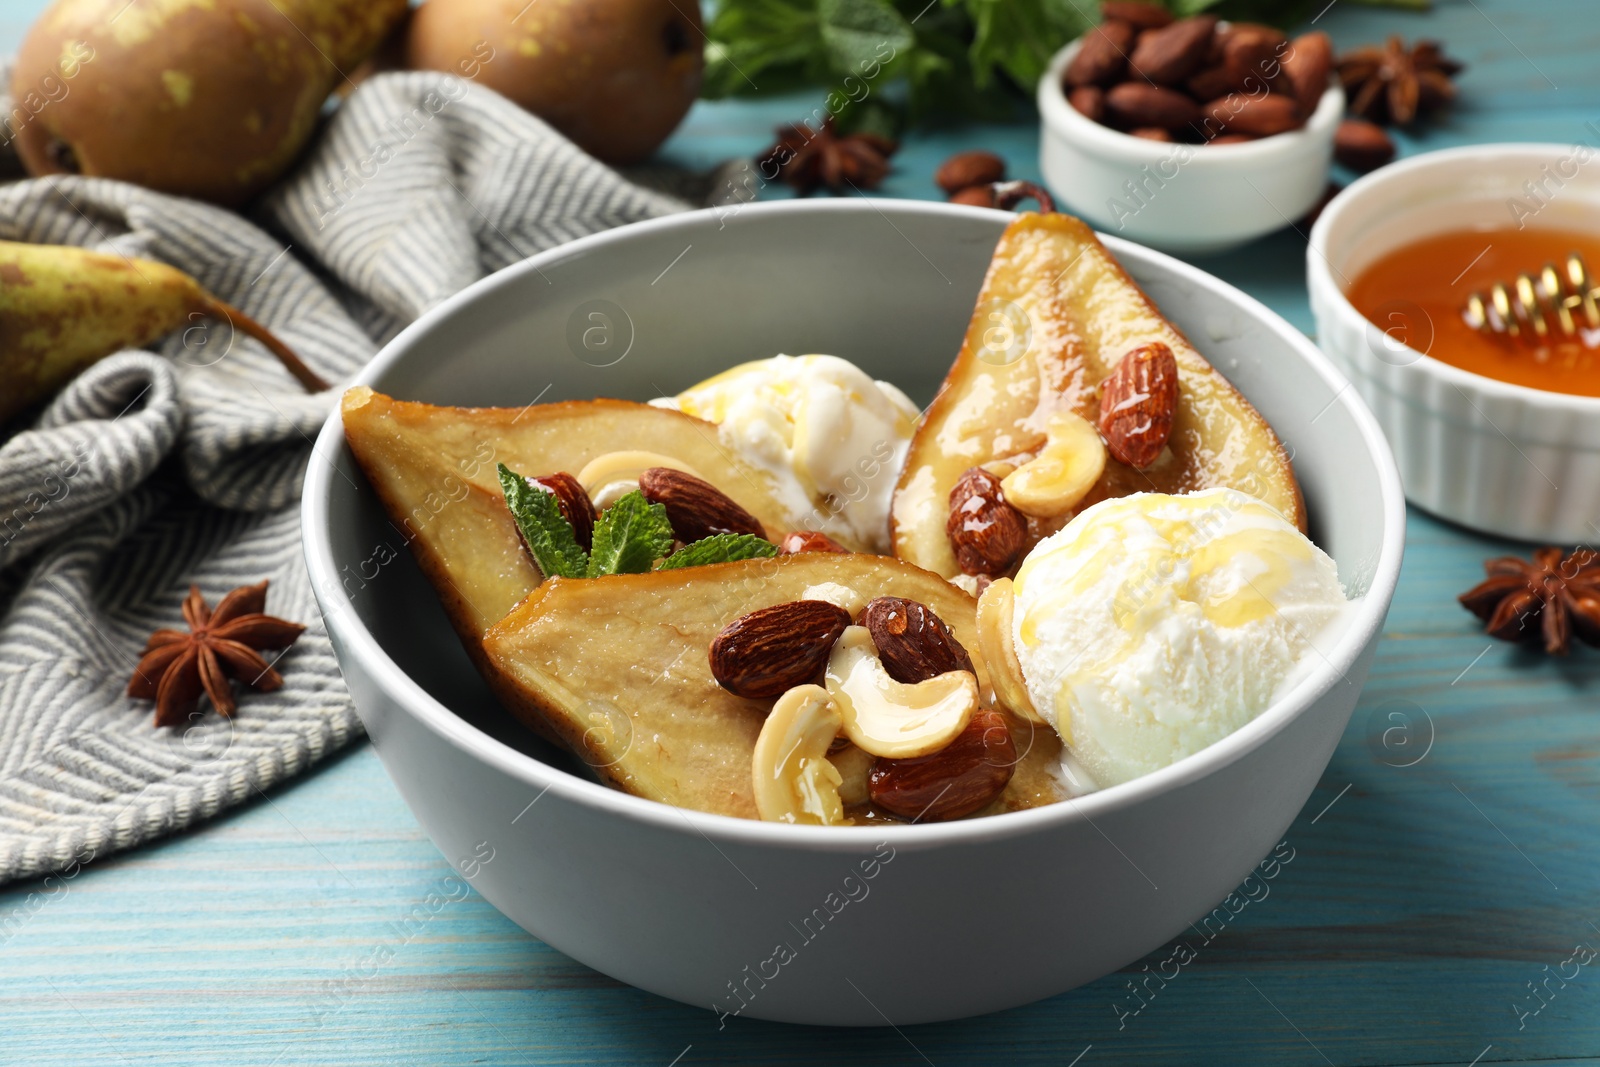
(1055, 316)
(62, 308)
(619, 669)
(212, 99)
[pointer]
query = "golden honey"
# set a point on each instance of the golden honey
(1417, 293)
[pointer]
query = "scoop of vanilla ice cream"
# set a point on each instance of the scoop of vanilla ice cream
(832, 439)
(1153, 625)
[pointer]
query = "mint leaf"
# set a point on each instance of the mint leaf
(629, 536)
(862, 35)
(719, 548)
(545, 531)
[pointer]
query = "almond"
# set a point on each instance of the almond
(1089, 100)
(1103, 56)
(1212, 82)
(1151, 133)
(912, 641)
(807, 541)
(1362, 145)
(966, 169)
(1135, 105)
(986, 533)
(1170, 54)
(695, 507)
(1140, 15)
(1259, 115)
(961, 778)
(768, 652)
(1306, 66)
(574, 502)
(975, 196)
(1250, 55)
(1138, 403)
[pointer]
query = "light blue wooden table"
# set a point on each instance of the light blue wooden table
(1436, 881)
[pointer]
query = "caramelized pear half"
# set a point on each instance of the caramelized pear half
(1054, 318)
(617, 668)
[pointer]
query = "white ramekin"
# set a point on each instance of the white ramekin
(1504, 459)
(1193, 199)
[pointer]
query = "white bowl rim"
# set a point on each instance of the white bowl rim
(1370, 185)
(541, 777)
(1074, 124)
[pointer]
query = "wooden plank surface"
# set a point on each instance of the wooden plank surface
(1433, 885)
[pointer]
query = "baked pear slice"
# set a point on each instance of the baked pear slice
(434, 469)
(1053, 290)
(618, 667)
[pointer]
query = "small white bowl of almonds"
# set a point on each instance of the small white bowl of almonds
(1188, 135)
(780, 652)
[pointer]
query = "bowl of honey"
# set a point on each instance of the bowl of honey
(1454, 288)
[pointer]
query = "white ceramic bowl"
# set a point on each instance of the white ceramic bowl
(1192, 199)
(962, 918)
(1505, 459)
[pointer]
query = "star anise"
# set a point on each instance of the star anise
(1395, 83)
(1559, 592)
(177, 667)
(807, 158)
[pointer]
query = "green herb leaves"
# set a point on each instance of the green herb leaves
(719, 548)
(629, 536)
(545, 531)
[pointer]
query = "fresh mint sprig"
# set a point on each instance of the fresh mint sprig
(719, 548)
(545, 531)
(629, 537)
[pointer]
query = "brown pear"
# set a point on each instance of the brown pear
(616, 76)
(62, 308)
(1055, 317)
(212, 99)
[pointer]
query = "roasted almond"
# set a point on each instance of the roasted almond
(1103, 56)
(1138, 14)
(768, 652)
(1250, 55)
(986, 533)
(1137, 405)
(576, 507)
(1362, 145)
(807, 541)
(1213, 81)
(1306, 66)
(1089, 100)
(912, 641)
(1170, 54)
(1256, 114)
(1135, 105)
(961, 778)
(695, 507)
(965, 169)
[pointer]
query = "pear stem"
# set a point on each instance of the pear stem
(313, 382)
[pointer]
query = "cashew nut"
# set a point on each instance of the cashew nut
(613, 475)
(998, 651)
(1055, 481)
(794, 781)
(854, 765)
(890, 718)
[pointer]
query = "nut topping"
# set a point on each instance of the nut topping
(912, 641)
(890, 718)
(615, 474)
(986, 533)
(807, 541)
(766, 652)
(995, 609)
(1058, 479)
(1138, 404)
(695, 507)
(959, 779)
(574, 502)
(794, 781)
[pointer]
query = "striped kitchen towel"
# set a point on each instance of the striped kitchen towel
(155, 471)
